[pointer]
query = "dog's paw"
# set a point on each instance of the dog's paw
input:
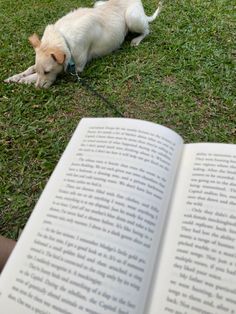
(13, 79)
(28, 79)
(98, 3)
(135, 42)
(22, 79)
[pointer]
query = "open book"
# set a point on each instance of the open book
(132, 221)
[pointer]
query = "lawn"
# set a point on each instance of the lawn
(182, 76)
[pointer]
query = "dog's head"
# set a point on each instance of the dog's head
(49, 61)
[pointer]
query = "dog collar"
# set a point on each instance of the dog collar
(70, 68)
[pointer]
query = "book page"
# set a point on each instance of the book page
(197, 272)
(92, 240)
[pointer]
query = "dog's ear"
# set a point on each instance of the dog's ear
(58, 56)
(35, 41)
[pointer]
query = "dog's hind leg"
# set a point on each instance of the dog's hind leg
(138, 22)
(137, 40)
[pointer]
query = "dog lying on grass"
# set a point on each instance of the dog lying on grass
(82, 35)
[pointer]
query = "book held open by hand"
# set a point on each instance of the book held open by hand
(132, 221)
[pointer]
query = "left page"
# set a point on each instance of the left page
(92, 240)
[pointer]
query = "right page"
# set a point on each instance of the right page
(197, 269)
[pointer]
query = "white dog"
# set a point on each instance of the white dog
(84, 34)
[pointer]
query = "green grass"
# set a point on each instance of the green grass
(182, 76)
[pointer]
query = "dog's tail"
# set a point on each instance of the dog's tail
(156, 13)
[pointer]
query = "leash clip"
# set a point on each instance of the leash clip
(75, 74)
(72, 70)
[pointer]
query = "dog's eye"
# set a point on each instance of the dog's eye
(46, 72)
